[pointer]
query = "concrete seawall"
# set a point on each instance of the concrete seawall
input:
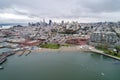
(101, 52)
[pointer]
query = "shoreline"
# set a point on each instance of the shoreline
(76, 48)
(71, 48)
(85, 48)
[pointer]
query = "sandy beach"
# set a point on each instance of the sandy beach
(71, 48)
(83, 48)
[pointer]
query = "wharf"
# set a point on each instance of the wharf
(4, 55)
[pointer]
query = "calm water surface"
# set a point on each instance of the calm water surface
(61, 66)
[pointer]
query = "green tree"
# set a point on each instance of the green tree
(118, 49)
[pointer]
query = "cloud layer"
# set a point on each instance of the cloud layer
(81, 10)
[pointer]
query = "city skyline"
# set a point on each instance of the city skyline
(75, 10)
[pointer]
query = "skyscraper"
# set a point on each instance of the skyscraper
(62, 22)
(50, 22)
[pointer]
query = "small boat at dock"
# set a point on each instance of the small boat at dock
(1, 67)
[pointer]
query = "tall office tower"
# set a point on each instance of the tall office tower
(62, 22)
(50, 22)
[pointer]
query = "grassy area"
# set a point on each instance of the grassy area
(50, 45)
(67, 45)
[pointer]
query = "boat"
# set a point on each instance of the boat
(1, 67)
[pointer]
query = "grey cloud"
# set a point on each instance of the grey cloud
(61, 8)
(101, 5)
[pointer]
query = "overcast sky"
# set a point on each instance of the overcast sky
(77, 10)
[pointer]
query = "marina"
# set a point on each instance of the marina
(4, 55)
(6, 52)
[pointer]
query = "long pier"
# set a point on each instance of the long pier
(28, 53)
(22, 53)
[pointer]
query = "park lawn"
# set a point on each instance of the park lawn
(50, 45)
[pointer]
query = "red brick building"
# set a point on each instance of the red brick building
(77, 41)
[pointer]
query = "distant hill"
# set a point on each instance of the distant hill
(12, 24)
(8, 25)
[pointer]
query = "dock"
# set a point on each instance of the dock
(22, 53)
(28, 53)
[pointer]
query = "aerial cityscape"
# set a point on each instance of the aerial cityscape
(68, 42)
